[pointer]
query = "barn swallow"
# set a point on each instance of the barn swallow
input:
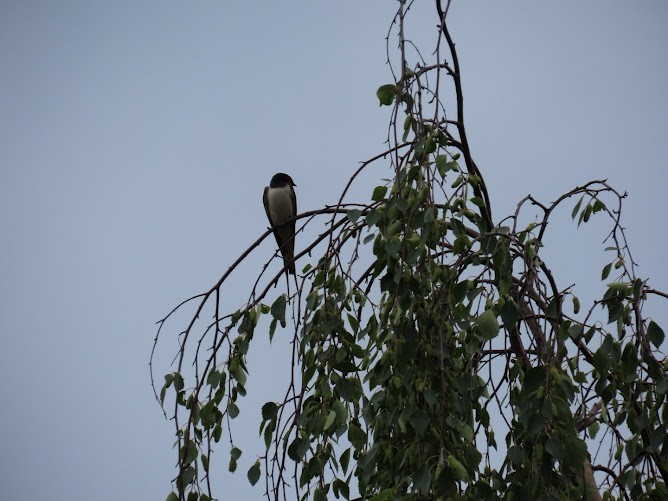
(280, 203)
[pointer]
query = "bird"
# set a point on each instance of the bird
(280, 204)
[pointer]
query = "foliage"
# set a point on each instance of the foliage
(435, 355)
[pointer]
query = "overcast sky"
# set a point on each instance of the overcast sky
(136, 139)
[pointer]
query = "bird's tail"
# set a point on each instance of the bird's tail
(289, 261)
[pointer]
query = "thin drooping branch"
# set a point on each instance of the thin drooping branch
(480, 189)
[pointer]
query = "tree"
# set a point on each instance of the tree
(436, 356)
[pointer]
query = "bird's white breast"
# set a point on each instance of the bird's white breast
(280, 204)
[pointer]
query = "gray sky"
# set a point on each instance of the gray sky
(136, 138)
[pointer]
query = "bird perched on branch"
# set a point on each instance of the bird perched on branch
(280, 203)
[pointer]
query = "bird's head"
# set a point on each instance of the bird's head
(280, 179)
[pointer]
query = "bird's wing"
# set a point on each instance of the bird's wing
(294, 202)
(290, 244)
(265, 200)
(288, 233)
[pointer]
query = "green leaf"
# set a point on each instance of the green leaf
(534, 379)
(346, 389)
(620, 287)
(615, 309)
(442, 164)
(169, 379)
(188, 452)
(386, 94)
(553, 307)
(601, 361)
(554, 447)
(330, 420)
(178, 381)
(172, 497)
(515, 455)
(593, 429)
(217, 432)
(346, 367)
(269, 411)
(408, 121)
(213, 379)
(269, 433)
(237, 371)
(344, 460)
(278, 309)
(374, 216)
(402, 204)
(430, 145)
(606, 271)
(575, 331)
(392, 247)
(630, 362)
(378, 194)
(662, 387)
(298, 448)
(576, 208)
(657, 438)
(354, 323)
(503, 265)
(510, 314)
(419, 421)
(655, 334)
(254, 473)
(488, 325)
(587, 213)
(235, 454)
(187, 476)
(318, 495)
(598, 206)
(272, 329)
(503, 230)
(458, 468)
(422, 479)
(394, 228)
(353, 215)
(536, 424)
(356, 435)
(575, 451)
(248, 322)
(340, 486)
